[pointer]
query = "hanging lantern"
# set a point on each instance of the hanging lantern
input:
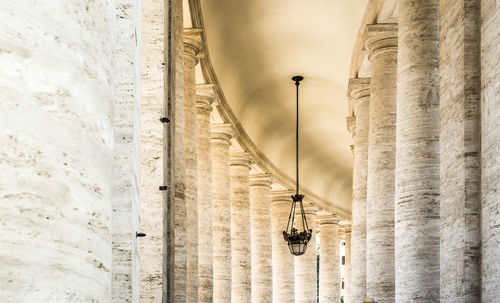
(297, 233)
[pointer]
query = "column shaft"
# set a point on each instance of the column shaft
(306, 274)
(382, 47)
(283, 265)
(348, 269)
(460, 89)
(221, 134)
(329, 258)
(490, 151)
(359, 90)
(240, 228)
(191, 48)
(205, 213)
(417, 153)
(261, 237)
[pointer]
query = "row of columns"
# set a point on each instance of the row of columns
(417, 187)
(234, 246)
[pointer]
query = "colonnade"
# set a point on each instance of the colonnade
(235, 251)
(420, 177)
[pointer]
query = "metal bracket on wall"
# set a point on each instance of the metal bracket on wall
(139, 235)
(163, 187)
(164, 120)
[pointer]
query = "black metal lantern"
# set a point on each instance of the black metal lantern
(297, 234)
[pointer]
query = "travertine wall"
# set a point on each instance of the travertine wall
(306, 274)
(126, 164)
(56, 133)
(348, 268)
(460, 151)
(490, 150)
(417, 153)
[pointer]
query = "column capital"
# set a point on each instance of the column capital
(358, 88)
(310, 209)
(264, 179)
(238, 158)
(282, 195)
(193, 44)
(222, 131)
(205, 97)
(381, 37)
(328, 219)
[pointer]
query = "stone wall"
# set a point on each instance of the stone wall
(56, 133)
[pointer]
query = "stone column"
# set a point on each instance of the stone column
(359, 91)
(329, 266)
(306, 275)
(283, 265)
(490, 151)
(261, 237)
(460, 139)
(417, 153)
(192, 46)
(348, 269)
(204, 99)
(57, 151)
(221, 134)
(240, 227)
(381, 43)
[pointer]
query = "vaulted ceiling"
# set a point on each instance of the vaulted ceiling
(256, 47)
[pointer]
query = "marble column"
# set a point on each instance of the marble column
(381, 43)
(283, 265)
(460, 151)
(204, 99)
(192, 46)
(240, 227)
(306, 275)
(261, 237)
(359, 92)
(329, 262)
(220, 142)
(417, 153)
(348, 269)
(490, 151)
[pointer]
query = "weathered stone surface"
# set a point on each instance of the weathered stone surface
(359, 91)
(348, 267)
(192, 45)
(204, 98)
(56, 83)
(490, 150)
(221, 134)
(329, 261)
(381, 43)
(306, 274)
(240, 227)
(283, 263)
(417, 153)
(261, 238)
(126, 154)
(152, 97)
(460, 151)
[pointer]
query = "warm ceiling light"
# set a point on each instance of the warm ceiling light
(297, 238)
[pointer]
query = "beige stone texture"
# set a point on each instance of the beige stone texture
(126, 164)
(490, 151)
(56, 132)
(152, 83)
(306, 275)
(204, 99)
(348, 268)
(221, 134)
(261, 237)
(359, 92)
(283, 262)
(329, 261)
(381, 43)
(417, 153)
(192, 46)
(460, 151)
(240, 227)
